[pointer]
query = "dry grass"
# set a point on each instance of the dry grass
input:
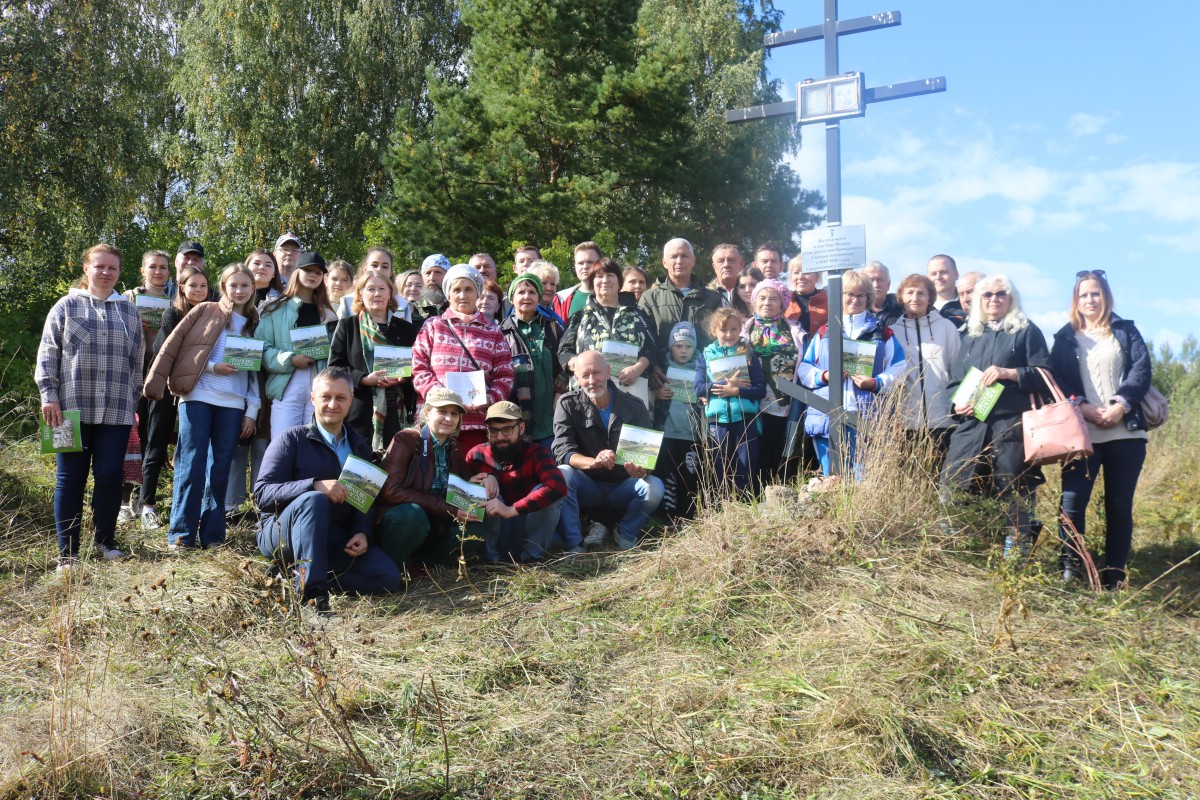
(842, 649)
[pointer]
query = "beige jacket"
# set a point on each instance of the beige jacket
(184, 355)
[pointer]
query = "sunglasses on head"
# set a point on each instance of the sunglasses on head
(1098, 274)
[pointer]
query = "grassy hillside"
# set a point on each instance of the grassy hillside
(840, 648)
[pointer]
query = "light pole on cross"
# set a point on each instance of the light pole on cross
(829, 99)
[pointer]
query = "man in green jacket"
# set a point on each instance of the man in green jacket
(680, 296)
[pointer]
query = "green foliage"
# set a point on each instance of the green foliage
(607, 115)
(80, 101)
(290, 105)
(1178, 375)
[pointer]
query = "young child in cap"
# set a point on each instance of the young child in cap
(677, 414)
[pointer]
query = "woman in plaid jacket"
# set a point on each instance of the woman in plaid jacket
(90, 361)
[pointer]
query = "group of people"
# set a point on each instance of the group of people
(524, 392)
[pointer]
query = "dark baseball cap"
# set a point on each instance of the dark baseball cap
(310, 258)
(191, 247)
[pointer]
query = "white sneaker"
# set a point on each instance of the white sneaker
(125, 515)
(67, 565)
(595, 535)
(150, 519)
(109, 553)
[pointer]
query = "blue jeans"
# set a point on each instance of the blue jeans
(849, 452)
(1122, 462)
(207, 436)
(737, 449)
(307, 536)
(104, 455)
(638, 496)
(251, 452)
(525, 537)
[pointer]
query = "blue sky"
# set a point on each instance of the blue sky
(1066, 140)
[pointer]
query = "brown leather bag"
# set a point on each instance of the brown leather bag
(1055, 432)
(1155, 410)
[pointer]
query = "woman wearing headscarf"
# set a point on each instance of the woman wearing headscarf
(461, 340)
(779, 343)
(533, 336)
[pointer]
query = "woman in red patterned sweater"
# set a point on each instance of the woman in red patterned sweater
(459, 342)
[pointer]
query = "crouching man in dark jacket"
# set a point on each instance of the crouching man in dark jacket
(587, 428)
(306, 520)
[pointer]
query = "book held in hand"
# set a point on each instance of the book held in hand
(64, 438)
(311, 341)
(723, 369)
(151, 309)
(639, 446)
(972, 392)
(619, 355)
(682, 383)
(243, 352)
(470, 386)
(470, 497)
(396, 362)
(858, 357)
(362, 480)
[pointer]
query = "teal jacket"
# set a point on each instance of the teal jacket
(275, 330)
(743, 407)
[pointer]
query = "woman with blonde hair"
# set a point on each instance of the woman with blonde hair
(858, 390)
(89, 361)
(1102, 359)
(218, 404)
(379, 409)
(987, 456)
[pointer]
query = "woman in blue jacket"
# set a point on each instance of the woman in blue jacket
(1103, 360)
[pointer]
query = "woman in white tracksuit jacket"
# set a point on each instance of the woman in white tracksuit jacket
(931, 344)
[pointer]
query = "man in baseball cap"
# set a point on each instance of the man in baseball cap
(520, 521)
(189, 254)
(287, 252)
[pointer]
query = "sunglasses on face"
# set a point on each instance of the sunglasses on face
(999, 295)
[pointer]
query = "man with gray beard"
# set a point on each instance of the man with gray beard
(587, 428)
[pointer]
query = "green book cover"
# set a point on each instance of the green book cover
(639, 446)
(619, 355)
(972, 392)
(470, 497)
(311, 341)
(151, 309)
(243, 352)
(683, 384)
(396, 362)
(362, 480)
(858, 357)
(64, 438)
(723, 369)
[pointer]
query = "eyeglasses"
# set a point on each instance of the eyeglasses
(1091, 273)
(507, 430)
(999, 295)
(855, 296)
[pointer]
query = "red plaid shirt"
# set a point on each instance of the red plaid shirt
(530, 483)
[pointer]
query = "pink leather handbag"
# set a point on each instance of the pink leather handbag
(1056, 432)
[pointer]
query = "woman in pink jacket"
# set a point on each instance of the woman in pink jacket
(459, 350)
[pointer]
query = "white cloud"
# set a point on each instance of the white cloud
(1081, 124)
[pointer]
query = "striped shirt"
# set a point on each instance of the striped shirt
(90, 358)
